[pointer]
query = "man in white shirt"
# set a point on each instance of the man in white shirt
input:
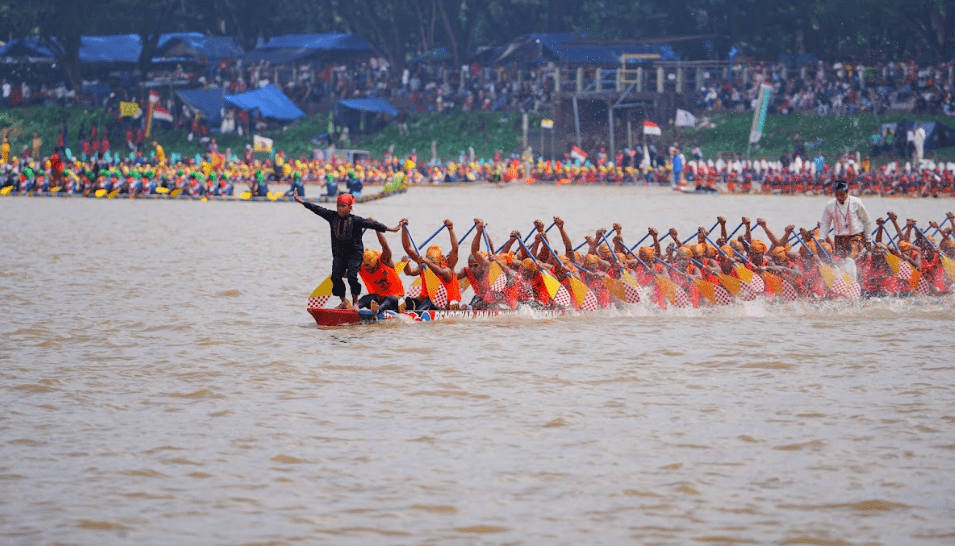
(850, 222)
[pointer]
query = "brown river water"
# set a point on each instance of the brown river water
(161, 383)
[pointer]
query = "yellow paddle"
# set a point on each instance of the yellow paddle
(321, 294)
(162, 190)
(113, 193)
(6, 190)
(245, 196)
(176, 192)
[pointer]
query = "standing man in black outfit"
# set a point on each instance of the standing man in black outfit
(347, 247)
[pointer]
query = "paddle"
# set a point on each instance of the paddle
(428, 240)
(6, 190)
(690, 238)
(320, 295)
(638, 242)
(744, 274)
(626, 285)
(461, 240)
(555, 290)
(581, 293)
(846, 285)
(774, 282)
(947, 262)
(496, 279)
(716, 294)
(436, 291)
(673, 293)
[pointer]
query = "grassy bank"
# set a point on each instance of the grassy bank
(486, 133)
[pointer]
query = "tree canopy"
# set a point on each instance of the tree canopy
(869, 30)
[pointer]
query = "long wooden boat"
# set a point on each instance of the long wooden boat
(178, 196)
(347, 317)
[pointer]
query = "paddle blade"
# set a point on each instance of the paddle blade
(615, 287)
(113, 193)
(162, 190)
(730, 283)
(744, 274)
(400, 266)
(919, 284)
(245, 196)
(463, 284)
(6, 190)
(828, 275)
(590, 302)
(414, 291)
(440, 297)
(553, 286)
(895, 263)
(949, 266)
(713, 292)
(674, 294)
(579, 291)
(496, 278)
(176, 192)
(562, 297)
(275, 195)
(100, 192)
(320, 295)
(432, 285)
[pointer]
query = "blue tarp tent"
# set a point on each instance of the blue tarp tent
(292, 47)
(126, 48)
(568, 49)
(370, 105)
(269, 101)
(208, 102)
(31, 47)
(122, 48)
(195, 46)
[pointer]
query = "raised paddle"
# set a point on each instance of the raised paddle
(638, 242)
(730, 284)
(843, 284)
(581, 293)
(554, 288)
(716, 294)
(461, 240)
(690, 238)
(947, 262)
(673, 293)
(626, 284)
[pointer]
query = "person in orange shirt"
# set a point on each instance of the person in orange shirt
(381, 279)
(442, 266)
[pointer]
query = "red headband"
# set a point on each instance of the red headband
(346, 198)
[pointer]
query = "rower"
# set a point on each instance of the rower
(380, 278)
(434, 259)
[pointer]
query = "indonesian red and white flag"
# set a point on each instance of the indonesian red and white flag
(161, 114)
(650, 128)
(153, 97)
(578, 154)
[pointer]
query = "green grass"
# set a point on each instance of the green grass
(485, 132)
(837, 134)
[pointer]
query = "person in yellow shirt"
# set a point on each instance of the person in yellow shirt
(160, 154)
(5, 151)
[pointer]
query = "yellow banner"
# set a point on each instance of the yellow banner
(128, 109)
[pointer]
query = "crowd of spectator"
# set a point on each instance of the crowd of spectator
(819, 88)
(836, 89)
